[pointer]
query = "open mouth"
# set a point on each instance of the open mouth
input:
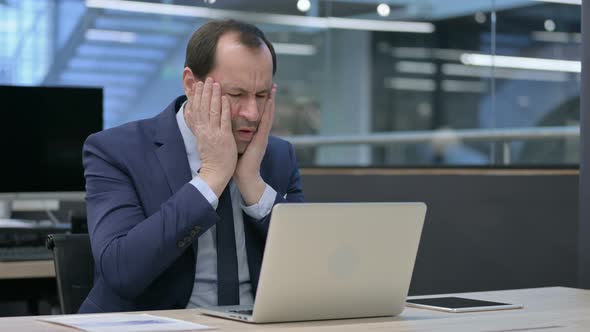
(245, 134)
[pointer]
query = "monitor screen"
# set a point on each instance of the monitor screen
(41, 137)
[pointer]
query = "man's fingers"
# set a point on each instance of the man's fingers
(197, 91)
(205, 104)
(215, 111)
(225, 115)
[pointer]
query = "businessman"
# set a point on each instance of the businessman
(179, 204)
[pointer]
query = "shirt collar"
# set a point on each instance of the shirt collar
(190, 141)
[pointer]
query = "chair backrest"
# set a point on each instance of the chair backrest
(74, 269)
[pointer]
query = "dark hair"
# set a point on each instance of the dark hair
(200, 51)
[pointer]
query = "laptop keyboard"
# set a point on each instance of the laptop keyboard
(243, 312)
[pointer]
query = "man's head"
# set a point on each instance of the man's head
(238, 56)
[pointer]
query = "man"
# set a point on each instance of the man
(178, 205)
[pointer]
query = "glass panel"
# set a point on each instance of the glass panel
(541, 48)
(413, 83)
(421, 84)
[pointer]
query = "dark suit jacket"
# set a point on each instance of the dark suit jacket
(144, 218)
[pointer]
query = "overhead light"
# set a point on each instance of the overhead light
(210, 1)
(480, 17)
(415, 67)
(111, 36)
(501, 61)
(463, 86)
(556, 37)
(303, 5)
(427, 53)
(106, 79)
(564, 2)
(549, 25)
(264, 18)
(383, 10)
(410, 84)
(294, 49)
(377, 25)
(453, 69)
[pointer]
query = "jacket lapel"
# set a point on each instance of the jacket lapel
(171, 152)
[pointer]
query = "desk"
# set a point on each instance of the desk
(550, 309)
(27, 269)
(28, 281)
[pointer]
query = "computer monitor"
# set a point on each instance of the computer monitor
(43, 130)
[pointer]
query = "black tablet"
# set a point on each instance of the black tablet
(459, 304)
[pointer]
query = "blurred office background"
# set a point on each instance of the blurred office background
(415, 82)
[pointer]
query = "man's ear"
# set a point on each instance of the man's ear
(188, 82)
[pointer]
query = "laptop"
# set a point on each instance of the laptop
(334, 261)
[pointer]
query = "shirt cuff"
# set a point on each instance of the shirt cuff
(264, 205)
(206, 191)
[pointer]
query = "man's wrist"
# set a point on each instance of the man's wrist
(215, 182)
(205, 190)
(264, 205)
(251, 188)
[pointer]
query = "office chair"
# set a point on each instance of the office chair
(74, 269)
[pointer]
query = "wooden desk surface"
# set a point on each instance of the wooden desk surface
(551, 309)
(27, 269)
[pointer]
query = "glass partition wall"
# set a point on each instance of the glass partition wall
(395, 83)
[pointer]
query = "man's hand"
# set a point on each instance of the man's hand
(208, 115)
(247, 173)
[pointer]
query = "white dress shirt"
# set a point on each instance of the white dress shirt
(205, 288)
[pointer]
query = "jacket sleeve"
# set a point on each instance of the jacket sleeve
(132, 249)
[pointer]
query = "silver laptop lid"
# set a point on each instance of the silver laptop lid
(338, 260)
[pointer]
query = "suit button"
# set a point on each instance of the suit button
(180, 244)
(193, 233)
